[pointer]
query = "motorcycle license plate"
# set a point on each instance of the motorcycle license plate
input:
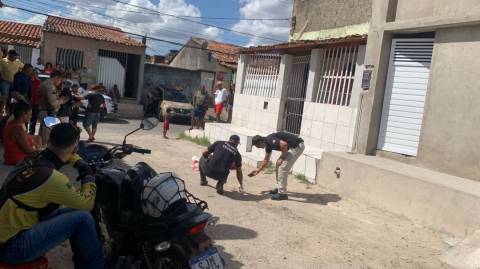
(210, 259)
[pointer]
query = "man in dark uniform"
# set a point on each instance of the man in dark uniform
(218, 160)
(290, 146)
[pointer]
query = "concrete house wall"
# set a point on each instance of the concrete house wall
(90, 47)
(449, 135)
(320, 19)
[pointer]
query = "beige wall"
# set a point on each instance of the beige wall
(415, 9)
(194, 59)
(449, 137)
(451, 126)
(52, 41)
(316, 15)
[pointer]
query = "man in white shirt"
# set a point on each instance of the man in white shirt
(38, 65)
(221, 96)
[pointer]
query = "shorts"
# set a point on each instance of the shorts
(166, 125)
(91, 119)
(218, 108)
(5, 86)
(199, 112)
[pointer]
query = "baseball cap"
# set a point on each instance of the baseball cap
(234, 138)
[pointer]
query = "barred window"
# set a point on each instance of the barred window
(69, 59)
(337, 74)
(261, 74)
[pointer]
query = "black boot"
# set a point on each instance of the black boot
(219, 187)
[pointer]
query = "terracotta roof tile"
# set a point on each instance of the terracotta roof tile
(14, 33)
(226, 54)
(304, 45)
(89, 30)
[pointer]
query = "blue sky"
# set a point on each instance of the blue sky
(139, 21)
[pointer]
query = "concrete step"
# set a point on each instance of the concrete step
(442, 202)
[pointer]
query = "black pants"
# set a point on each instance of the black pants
(204, 172)
(33, 119)
(74, 116)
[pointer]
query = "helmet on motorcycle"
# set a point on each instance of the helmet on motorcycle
(160, 192)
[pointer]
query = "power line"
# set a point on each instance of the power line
(133, 34)
(198, 22)
(132, 24)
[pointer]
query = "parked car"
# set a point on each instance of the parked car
(177, 101)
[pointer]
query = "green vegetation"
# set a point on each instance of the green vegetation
(270, 168)
(202, 141)
(302, 178)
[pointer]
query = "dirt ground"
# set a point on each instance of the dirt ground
(315, 228)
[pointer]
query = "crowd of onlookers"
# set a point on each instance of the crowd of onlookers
(26, 100)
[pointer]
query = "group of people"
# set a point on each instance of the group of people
(222, 156)
(201, 100)
(25, 100)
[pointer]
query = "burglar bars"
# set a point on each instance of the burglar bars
(337, 74)
(69, 59)
(261, 74)
(296, 92)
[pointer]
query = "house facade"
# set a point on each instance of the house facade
(24, 38)
(104, 54)
(420, 107)
(309, 86)
(217, 61)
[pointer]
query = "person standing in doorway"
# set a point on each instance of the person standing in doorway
(217, 161)
(34, 101)
(50, 101)
(221, 95)
(290, 146)
(9, 66)
(92, 114)
(38, 66)
(114, 93)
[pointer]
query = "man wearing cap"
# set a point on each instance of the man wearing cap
(9, 66)
(290, 146)
(218, 160)
(50, 101)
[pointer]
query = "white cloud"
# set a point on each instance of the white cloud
(135, 20)
(37, 19)
(265, 9)
(8, 11)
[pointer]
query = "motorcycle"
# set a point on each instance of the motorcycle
(147, 219)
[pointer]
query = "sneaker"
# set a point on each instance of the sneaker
(279, 196)
(203, 183)
(273, 191)
(219, 187)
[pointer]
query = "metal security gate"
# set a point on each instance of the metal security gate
(405, 94)
(261, 75)
(110, 72)
(296, 91)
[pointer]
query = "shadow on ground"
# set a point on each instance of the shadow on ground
(231, 232)
(309, 198)
(230, 262)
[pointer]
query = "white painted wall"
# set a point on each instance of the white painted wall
(249, 112)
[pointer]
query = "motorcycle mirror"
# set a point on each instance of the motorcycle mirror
(50, 121)
(149, 123)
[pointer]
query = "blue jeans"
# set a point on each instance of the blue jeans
(91, 119)
(5, 86)
(76, 225)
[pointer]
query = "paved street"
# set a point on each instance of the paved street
(314, 229)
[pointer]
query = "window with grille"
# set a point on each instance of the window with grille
(261, 74)
(337, 74)
(69, 59)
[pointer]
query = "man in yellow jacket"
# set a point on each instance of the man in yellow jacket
(31, 220)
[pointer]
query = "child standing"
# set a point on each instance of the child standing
(166, 122)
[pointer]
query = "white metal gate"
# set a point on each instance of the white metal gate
(296, 91)
(110, 72)
(405, 94)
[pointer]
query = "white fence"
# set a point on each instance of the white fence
(337, 74)
(262, 75)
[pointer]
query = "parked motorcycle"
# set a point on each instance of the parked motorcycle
(147, 219)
